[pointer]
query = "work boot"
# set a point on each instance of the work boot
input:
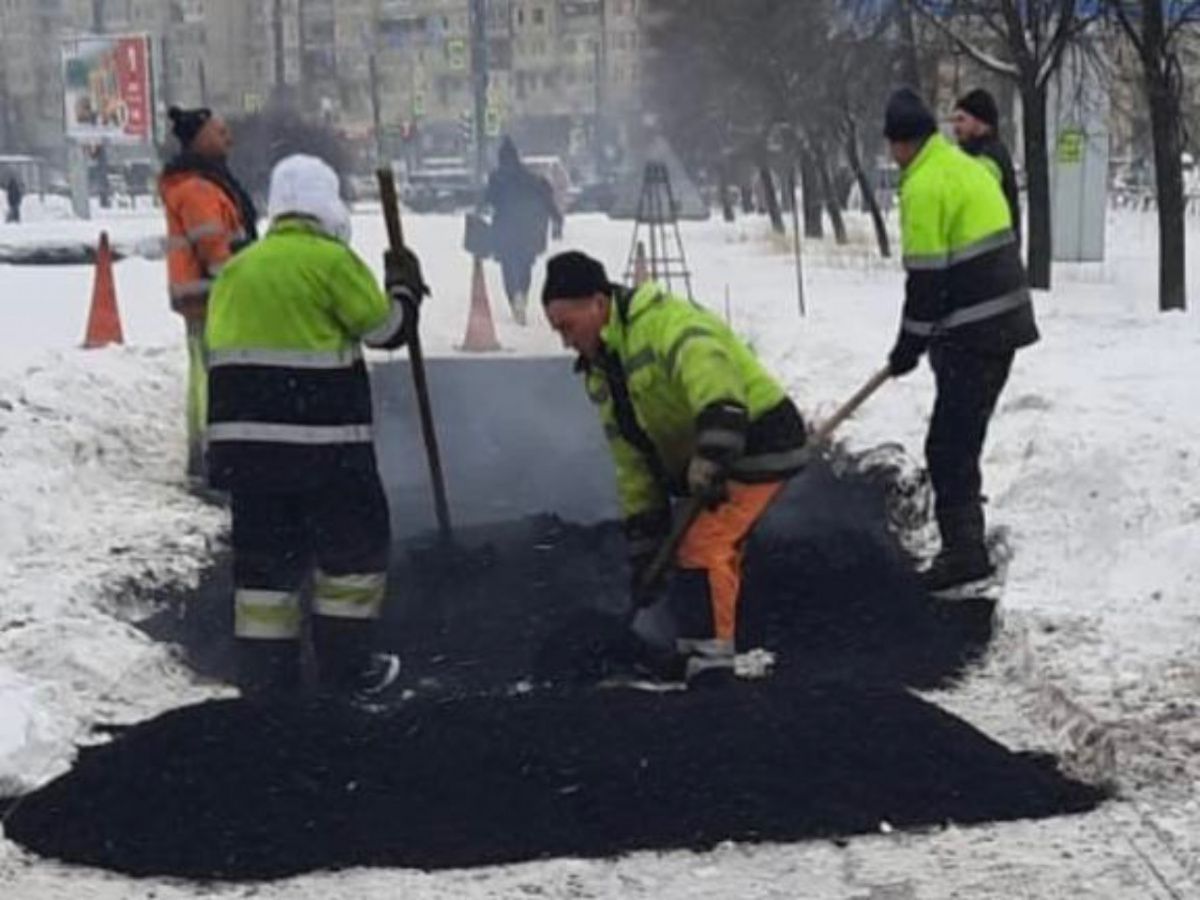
(701, 658)
(268, 671)
(709, 662)
(963, 558)
(376, 675)
(346, 665)
(659, 669)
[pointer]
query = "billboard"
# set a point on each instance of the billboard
(106, 82)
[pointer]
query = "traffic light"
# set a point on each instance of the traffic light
(466, 127)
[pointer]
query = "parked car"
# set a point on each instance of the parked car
(439, 187)
(363, 187)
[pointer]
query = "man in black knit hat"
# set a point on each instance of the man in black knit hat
(967, 303)
(209, 217)
(688, 410)
(976, 122)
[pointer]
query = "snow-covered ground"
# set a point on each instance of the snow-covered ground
(1091, 468)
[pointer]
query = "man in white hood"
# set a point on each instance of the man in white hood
(290, 435)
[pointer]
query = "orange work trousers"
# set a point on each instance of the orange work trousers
(716, 544)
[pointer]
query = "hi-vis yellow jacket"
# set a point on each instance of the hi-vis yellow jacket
(290, 401)
(674, 381)
(966, 285)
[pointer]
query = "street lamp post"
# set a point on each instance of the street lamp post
(479, 84)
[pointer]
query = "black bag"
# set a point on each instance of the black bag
(477, 239)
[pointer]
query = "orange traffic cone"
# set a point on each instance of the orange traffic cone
(481, 332)
(104, 321)
(640, 273)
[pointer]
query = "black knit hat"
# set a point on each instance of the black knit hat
(981, 105)
(186, 123)
(907, 117)
(574, 276)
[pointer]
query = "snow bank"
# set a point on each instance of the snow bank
(32, 740)
(90, 451)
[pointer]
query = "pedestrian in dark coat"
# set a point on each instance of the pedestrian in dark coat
(976, 124)
(523, 207)
(13, 192)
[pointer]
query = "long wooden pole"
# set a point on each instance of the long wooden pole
(416, 358)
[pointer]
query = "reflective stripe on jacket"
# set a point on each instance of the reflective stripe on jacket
(289, 395)
(966, 284)
(674, 381)
(203, 227)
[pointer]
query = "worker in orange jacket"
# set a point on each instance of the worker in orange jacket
(209, 217)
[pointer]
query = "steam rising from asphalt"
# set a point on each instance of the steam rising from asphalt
(518, 437)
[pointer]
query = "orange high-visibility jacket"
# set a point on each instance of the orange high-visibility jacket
(203, 226)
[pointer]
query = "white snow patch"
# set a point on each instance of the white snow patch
(31, 739)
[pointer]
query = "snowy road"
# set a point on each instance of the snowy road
(1091, 467)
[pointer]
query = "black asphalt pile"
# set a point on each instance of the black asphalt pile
(498, 753)
(828, 590)
(228, 791)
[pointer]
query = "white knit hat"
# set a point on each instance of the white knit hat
(306, 186)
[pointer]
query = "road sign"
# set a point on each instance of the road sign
(456, 53)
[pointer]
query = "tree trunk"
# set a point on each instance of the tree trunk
(867, 191)
(910, 66)
(1037, 169)
(810, 196)
(723, 186)
(747, 198)
(833, 205)
(1168, 183)
(771, 198)
(787, 199)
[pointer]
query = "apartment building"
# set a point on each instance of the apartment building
(563, 75)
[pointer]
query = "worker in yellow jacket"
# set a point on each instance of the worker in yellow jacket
(967, 302)
(290, 435)
(688, 410)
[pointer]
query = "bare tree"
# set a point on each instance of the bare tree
(733, 75)
(1154, 28)
(854, 158)
(1023, 40)
(264, 138)
(716, 121)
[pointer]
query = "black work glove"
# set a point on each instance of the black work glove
(706, 481)
(402, 272)
(903, 359)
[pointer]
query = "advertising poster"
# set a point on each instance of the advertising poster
(106, 79)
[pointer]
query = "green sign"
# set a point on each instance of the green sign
(456, 53)
(1071, 142)
(494, 122)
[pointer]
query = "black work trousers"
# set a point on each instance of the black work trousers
(517, 269)
(968, 385)
(339, 532)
